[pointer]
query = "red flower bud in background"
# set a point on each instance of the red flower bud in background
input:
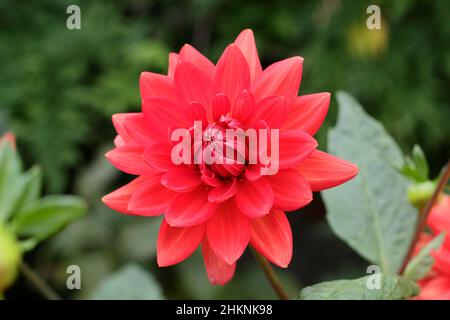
(9, 138)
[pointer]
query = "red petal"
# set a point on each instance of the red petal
(273, 110)
(272, 237)
(279, 79)
(228, 232)
(119, 142)
(129, 159)
(244, 106)
(176, 244)
(210, 179)
(118, 120)
(158, 156)
(253, 172)
(290, 190)
(231, 75)
(181, 179)
(220, 105)
(151, 198)
(308, 112)
(246, 43)
(254, 198)
(323, 171)
(223, 192)
(155, 85)
(196, 112)
(173, 61)
(190, 209)
(219, 272)
(192, 84)
(190, 54)
(139, 130)
(118, 200)
(295, 146)
(164, 115)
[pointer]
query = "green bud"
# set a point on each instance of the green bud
(10, 257)
(420, 193)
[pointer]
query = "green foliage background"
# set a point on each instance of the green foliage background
(59, 88)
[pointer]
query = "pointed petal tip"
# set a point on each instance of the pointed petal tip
(283, 262)
(161, 262)
(185, 47)
(105, 200)
(323, 170)
(219, 272)
(109, 155)
(272, 238)
(296, 59)
(110, 201)
(247, 31)
(325, 96)
(355, 170)
(174, 245)
(351, 168)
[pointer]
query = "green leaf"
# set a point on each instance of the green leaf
(10, 183)
(392, 288)
(31, 184)
(371, 212)
(416, 166)
(131, 282)
(47, 216)
(421, 264)
(420, 162)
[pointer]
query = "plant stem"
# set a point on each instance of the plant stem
(424, 215)
(38, 282)
(271, 276)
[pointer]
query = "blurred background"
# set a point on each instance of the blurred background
(59, 88)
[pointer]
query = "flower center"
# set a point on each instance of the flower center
(223, 148)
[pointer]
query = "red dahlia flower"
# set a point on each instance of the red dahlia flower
(436, 286)
(223, 206)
